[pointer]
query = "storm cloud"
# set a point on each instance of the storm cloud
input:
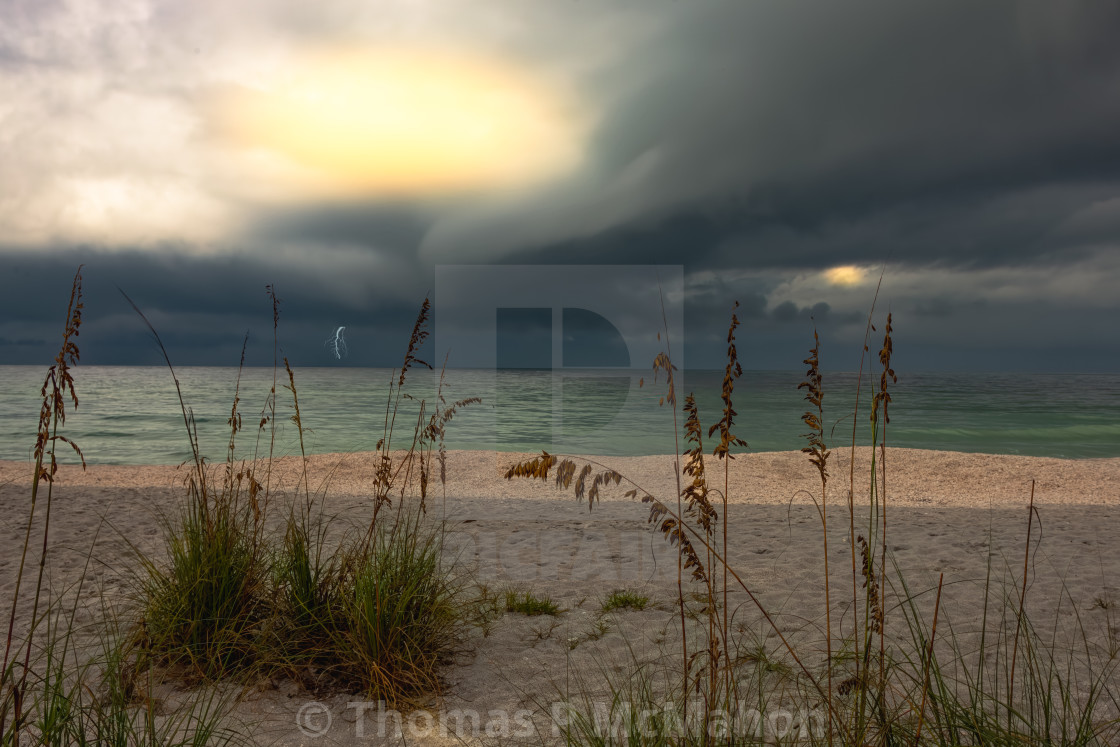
(965, 151)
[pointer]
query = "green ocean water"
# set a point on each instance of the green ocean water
(130, 415)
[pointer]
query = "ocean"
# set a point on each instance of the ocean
(131, 415)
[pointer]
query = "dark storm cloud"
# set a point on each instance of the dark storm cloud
(202, 307)
(970, 147)
(784, 134)
(759, 139)
(942, 307)
(400, 227)
(787, 311)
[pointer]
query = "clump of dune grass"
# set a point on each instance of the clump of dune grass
(203, 606)
(58, 386)
(367, 608)
(100, 701)
(624, 599)
(531, 605)
(923, 685)
(49, 693)
(400, 612)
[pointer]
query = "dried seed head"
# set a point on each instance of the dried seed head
(871, 583)
(882, 397)
(732, 372)
(665, 522)
(817, 451)
(537, 467)
(419, 334)
(662, 363)
(695, 493)
(57, 385)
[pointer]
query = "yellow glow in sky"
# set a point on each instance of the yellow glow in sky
(845, 275)
(409, 122)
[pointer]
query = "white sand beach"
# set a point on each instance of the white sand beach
(948, 513)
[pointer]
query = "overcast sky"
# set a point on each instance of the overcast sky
(782, 153)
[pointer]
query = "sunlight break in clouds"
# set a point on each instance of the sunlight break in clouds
(407, 122)
(845, 275)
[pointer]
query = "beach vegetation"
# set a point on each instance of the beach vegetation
(49, 695)
(257, 584)
(529, 604)
(625, 599)
(367, 608)
(901, 674)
